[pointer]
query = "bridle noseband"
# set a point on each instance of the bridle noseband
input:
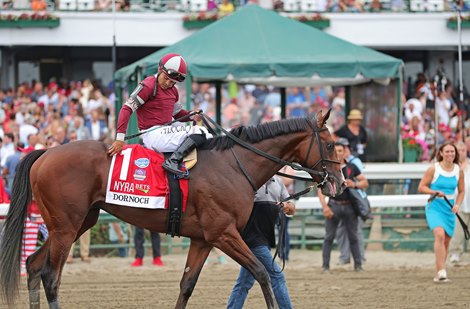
(322, 160)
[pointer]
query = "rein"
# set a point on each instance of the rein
(280, 161)
(462, 223)
(294, 177)
(281, 244)
(207, 121)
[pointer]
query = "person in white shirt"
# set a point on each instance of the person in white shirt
(8, 148)
(456, 243)
(443, 106)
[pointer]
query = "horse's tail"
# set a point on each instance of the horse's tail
(11, 240)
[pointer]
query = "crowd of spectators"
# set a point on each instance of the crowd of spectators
(251, 105)
(37, 116)
(426, 101)
(43, 116)
(431, 115)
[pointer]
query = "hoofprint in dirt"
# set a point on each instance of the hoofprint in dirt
(390, 280)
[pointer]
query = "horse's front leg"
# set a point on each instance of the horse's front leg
(198, 252)
(233, 245)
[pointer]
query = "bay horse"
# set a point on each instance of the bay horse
(69, 182)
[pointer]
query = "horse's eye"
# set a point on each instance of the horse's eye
(330, 146)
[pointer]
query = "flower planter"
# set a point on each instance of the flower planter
(410, 155)
(319, 24)
(196, 24)
(52, 23)
(452, 24)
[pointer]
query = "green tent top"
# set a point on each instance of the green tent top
(258, 46)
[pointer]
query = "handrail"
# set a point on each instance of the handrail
(376, 201)
(390, 170)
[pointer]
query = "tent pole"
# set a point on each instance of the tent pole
(189, 90)
(283, 102)
(347, 94)
(114, 47)
(218, 102)
(460, 102)
(118, 89)
(400, 115)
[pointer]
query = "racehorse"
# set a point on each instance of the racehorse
(69, 182)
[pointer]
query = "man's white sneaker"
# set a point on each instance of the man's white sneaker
(454, 258)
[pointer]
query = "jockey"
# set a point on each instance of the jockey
(156, 101)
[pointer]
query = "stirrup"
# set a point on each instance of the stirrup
(178, 174)
(182, 174)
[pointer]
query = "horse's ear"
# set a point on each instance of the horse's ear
(321, 120)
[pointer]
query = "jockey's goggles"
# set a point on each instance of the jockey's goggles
(173, 75)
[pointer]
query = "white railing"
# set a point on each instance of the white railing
(386, 171)
(376, 201)
(390, 170)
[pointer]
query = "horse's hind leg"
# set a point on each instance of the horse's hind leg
(198, 252)
(60, 243)
(34, 265)
(233, 245)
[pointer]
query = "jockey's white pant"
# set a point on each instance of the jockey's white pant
(168, 138)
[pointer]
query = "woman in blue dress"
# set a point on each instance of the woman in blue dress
(443, 178)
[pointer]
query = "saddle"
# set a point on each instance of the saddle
(191, 159)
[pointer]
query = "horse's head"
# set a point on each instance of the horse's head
(320, 156)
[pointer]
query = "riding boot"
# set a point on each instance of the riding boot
(172, 164)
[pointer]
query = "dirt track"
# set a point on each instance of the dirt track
(391, 280)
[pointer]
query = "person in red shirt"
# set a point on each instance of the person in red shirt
(156, 102)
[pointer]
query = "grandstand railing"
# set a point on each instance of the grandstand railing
(292, 6)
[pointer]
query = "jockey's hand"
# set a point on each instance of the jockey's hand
(197, 117)
(115, 148)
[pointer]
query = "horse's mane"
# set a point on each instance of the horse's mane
(255, 134)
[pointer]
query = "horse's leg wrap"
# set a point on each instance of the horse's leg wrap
(54, 304)
(34, 299)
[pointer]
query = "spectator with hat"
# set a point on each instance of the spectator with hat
(355, 133)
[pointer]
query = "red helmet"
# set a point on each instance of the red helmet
(174, 66)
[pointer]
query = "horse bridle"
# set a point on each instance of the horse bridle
(322, 160)
(316, 134)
